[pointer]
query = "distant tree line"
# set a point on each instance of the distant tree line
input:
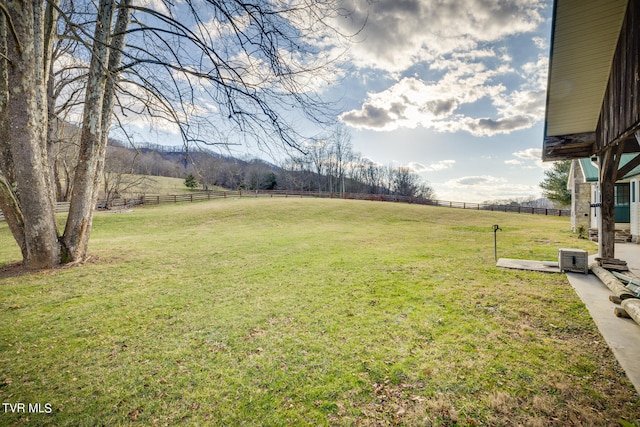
(527, 202)
(325, 165)
(328, 165)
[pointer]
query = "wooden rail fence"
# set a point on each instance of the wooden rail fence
(210, 195)
(61, 207)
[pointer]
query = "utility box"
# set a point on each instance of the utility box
(574, 260)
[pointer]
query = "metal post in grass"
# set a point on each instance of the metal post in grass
(496, 227)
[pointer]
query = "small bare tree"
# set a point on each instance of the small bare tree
(317, 153)
(119, 179)
(342, 151)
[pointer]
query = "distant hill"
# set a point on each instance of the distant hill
(323, 170)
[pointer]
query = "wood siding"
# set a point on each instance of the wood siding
(620, 113)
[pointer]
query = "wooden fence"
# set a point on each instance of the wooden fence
(414, 200)
(61, 207)
(210, 195)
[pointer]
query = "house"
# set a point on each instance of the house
(585, 196)
(592, 106)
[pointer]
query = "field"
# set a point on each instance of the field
(163, 185)
(306, 312)
(153, 185)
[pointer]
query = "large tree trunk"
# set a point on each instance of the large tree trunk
(27, 182)
(106, 58)
(79, 221)
(27, 196)
(8, 203)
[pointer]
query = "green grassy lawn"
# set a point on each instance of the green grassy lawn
(160, 185)
(307, 312)
(164, 185)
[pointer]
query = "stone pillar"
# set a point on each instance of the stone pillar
(581, 207)
(580, 200)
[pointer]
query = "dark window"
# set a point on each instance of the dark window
(622, 194)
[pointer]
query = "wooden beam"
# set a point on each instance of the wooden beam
(631, 144)
(566, 147)
(628, 167)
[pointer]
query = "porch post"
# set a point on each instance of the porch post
(609, 161)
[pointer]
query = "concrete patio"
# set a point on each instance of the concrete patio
(622, 335)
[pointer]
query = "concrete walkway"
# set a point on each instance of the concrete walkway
(622, 335)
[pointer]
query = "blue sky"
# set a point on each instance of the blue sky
(453, 89)
(456, 90)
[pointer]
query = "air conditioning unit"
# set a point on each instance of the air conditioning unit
(574, 260)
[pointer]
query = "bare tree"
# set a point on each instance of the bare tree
(342, 151)
(405, 182)
(372, 175)
(252, 62)
(317, 153)
(425, 191)
(119, 179)
(63, 141)
(298, 173)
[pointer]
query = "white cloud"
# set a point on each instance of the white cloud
(418, 167)
(530, 158)
(476, 180)
(399, 34)
(156, 5)
(413, 102)
(433, 167)
(529, 154)
(490, 127)
(462, 43)
(540, 43)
